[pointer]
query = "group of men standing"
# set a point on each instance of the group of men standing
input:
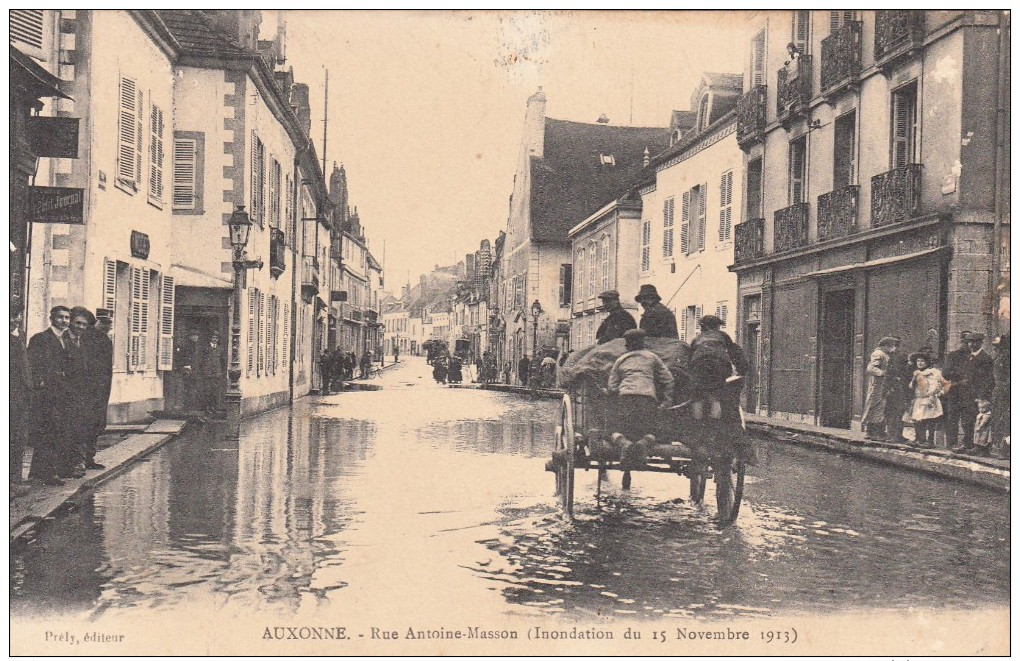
(337, 366)
(60, 388)
(202, 366)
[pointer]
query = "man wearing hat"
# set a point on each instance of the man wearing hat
(657, 320)
(714, 358)
(213, 373)
(619, 320)
(97, 352)
(48, 431)
(971, 375)
(873, 418)
(641, 381)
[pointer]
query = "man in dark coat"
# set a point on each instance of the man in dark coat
(20, 384)
(898, 396)
(47, 362)
(971, 373)
(523, 368)
(213, 373)
(657, 320)
(619, 320)
(98, 355)
(80, 411)
(188, 359)
(325, 372)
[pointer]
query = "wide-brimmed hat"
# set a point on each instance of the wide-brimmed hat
(612, 293)
(647, 292)
(81, 311)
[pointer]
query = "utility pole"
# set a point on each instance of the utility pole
(325, 122)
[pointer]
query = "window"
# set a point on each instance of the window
(253, 297)
(801, 34)
(605, 263)
(758, 59)
(844, 150)
(693, 220)
(838, 19)
(798, 170)
(185, 174)
(754, 191)
(704, 106)
(258, 179)
(129, 135)
(138, 323)
(167, 295)
(904, 129)
(566, 284)
(579, 275)
(274, 195)
(156, 128)
(592, 261)
(726, 206)
(291, 222)
(667, 227)
(646, 244)
(689, 322)
(722, 309)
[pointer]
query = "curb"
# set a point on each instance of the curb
(49, 501)
(935, 462)
(544, 393)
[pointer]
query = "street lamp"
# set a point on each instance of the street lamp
(536, 312)
(240, 227)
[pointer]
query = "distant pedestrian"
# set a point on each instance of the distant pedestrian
(657, 320)
(214, 373)
(325, 372)
(1000, 397)
(523, 367)
(507, 373)
(20, 385)
(49, 435)
(396, 353)
(618, 322)
(926, 410)
(188, 360)
(366, 364)
(873, 418)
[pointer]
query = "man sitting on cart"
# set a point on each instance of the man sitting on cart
(642, 384)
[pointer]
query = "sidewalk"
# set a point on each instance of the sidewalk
(358, 383)
(119, 447)
(990, 472)
(544, 393)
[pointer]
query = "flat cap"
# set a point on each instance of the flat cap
(635, 333)
(889, 339)
(612, 293)
(711, 321)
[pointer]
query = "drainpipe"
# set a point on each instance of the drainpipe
(1001, 111)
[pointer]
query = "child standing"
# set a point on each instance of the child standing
(983, 429)
(927, 385)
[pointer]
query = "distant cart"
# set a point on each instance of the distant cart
(696, 449)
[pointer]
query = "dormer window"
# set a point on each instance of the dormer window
(703, 112)
(607, 159)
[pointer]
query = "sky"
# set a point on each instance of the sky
(426, 108)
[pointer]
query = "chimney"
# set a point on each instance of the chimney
(534, 124)
(302, 106)
(241, 25)
(281, 37)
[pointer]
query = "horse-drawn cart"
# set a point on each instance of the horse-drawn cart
(699, 449)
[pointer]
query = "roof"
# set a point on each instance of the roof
(724, 80)
(571, 180)
(39, 81)
(198, 36)
(683, 120)
(373, 263)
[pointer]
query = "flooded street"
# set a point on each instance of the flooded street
(416, 500)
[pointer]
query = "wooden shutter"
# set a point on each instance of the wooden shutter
(252, 297)
(797, 149)
(605, 263)
(843, 151)
(725, 202)
(185, 169)
(904, 120)
(127, 131)
(702, 218)
(27, 27)
(261, 337)
(838, 19)
(257, 179)
(110, 290)
(156, 154)
(286, 333)
(685, 223)
(683, 324)
(166, 323)
(801, 30)
(143, 340)
(758, 59)
(667, 227)
(139, 321)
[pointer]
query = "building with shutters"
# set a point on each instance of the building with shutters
(688, 202)
(565, 171)
(875, 195)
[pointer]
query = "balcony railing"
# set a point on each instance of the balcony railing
(749, 240)
(751, 116)
(896, 195)
(791, 227)
(310, 273)
(277, 252)
(897, 32)
(793, 88)
(837, 213)
(841, 57)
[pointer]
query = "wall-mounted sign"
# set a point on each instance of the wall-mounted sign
(53, 137)
(335, 296)
(50, 204)
(139, 245)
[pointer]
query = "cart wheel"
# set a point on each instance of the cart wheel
(729, 488)
(565, 444)
(697, 477)
(626, 479)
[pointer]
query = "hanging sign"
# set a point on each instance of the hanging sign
(51, 204)
(54, 137)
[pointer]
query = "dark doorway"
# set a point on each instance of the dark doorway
(203, 312)
(752, 341)
(837, 354)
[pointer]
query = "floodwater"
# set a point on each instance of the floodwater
(419, 499)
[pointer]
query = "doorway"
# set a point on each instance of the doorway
(836, 354)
